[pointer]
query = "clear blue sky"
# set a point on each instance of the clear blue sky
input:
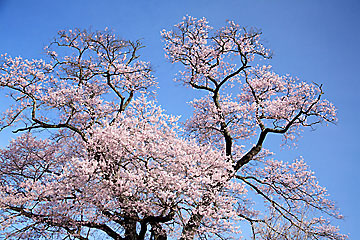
(316, 40)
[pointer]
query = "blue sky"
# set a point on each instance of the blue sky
(315, 40)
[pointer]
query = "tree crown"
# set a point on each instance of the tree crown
(115, 165)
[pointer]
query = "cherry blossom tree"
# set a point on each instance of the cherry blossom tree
(96, 158)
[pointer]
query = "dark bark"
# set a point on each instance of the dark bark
(129, 225)
(191, 226)
(157, 232)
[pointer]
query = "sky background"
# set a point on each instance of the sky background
(315, 40)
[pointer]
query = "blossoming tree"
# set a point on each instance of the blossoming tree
(95, 158)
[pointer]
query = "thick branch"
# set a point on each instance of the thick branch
(67, 224)
(154, 222)
(253, 151)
